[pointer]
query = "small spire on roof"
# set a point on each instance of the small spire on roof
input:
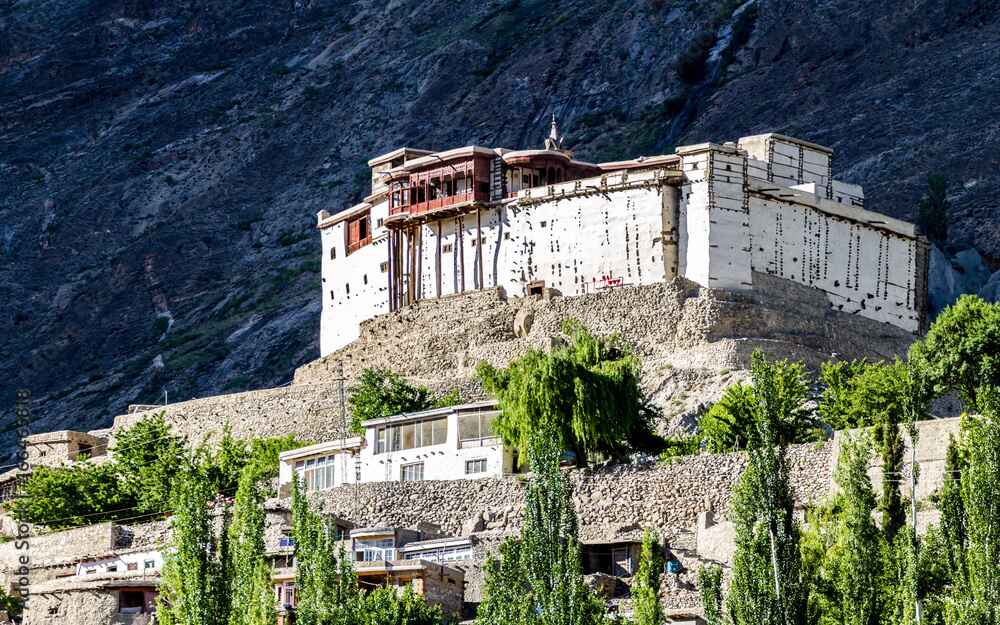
(554, 141)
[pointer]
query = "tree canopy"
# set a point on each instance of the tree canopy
(537, 578)
(961, 351)
(731, 423)
(140, 477)
(381, 392)
(586, 392)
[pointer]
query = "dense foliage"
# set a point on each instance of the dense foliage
(710, 589)
(327, 586)
(537, 579)
(961, 351)
(10, 604)
(766, 587)
(729, 424)
(147, 458)
(646, 607)
(383, 393)
(587, 392)
(194, 585)
(140, 478)
(61, 497)
(857, 393)
(251, 593)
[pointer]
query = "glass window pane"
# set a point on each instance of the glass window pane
(394, 434)
(440, 427)
(329, 473)
(427, 433)
(468, 427)
(409, 436)
(486, 426)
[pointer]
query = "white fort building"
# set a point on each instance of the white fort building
(443, 223)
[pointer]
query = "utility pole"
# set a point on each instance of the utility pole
(343, 436)
(913, 514)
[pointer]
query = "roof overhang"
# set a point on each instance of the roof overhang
(433, 412)
(343, 444)
(336, 218)
(404, 152)
(436, 158)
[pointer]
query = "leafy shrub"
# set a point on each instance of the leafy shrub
(383, 393)
(587, 391)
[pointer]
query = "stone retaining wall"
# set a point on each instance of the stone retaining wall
(609, 500)
(310, 411)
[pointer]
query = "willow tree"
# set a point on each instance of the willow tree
(251, 596)
(538, 580)
(194, 585)
(586, 391)
(766, 588)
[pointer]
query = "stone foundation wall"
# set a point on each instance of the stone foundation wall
(77, 607)
(445, 338)
(310, 411)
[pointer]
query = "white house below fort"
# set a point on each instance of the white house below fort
(450, 443)
(443, 223)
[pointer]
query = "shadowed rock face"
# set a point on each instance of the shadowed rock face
(161, 163)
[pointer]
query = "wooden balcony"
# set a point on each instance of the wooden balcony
(354, 246)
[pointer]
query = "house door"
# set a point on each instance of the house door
(621, 563)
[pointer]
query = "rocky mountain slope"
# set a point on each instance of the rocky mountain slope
(161, 163)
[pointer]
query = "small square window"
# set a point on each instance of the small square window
(365, 277)
(475, 466)
(412, 472)
(148, 564)
(112, 568)
(447, 248)
(544, 224)
(333, 253)
(384, 267)
(378, 224)
(132, 566)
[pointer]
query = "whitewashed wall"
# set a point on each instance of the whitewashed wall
(864, 269)
(441, 462)
(769, 205)
(583, 244)
(714, 219)
(355, 287)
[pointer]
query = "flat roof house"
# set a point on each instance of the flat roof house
(450, 443)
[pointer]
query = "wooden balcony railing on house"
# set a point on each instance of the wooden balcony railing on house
(420, 208)
(354, 246)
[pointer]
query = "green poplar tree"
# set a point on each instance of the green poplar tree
(855, 560)
(538, 578)
(954, 522)
(710, 589)
(252, 596)
(326, 584)
(646, 583)
(978, 600)
(766, 587)
(193, 589)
